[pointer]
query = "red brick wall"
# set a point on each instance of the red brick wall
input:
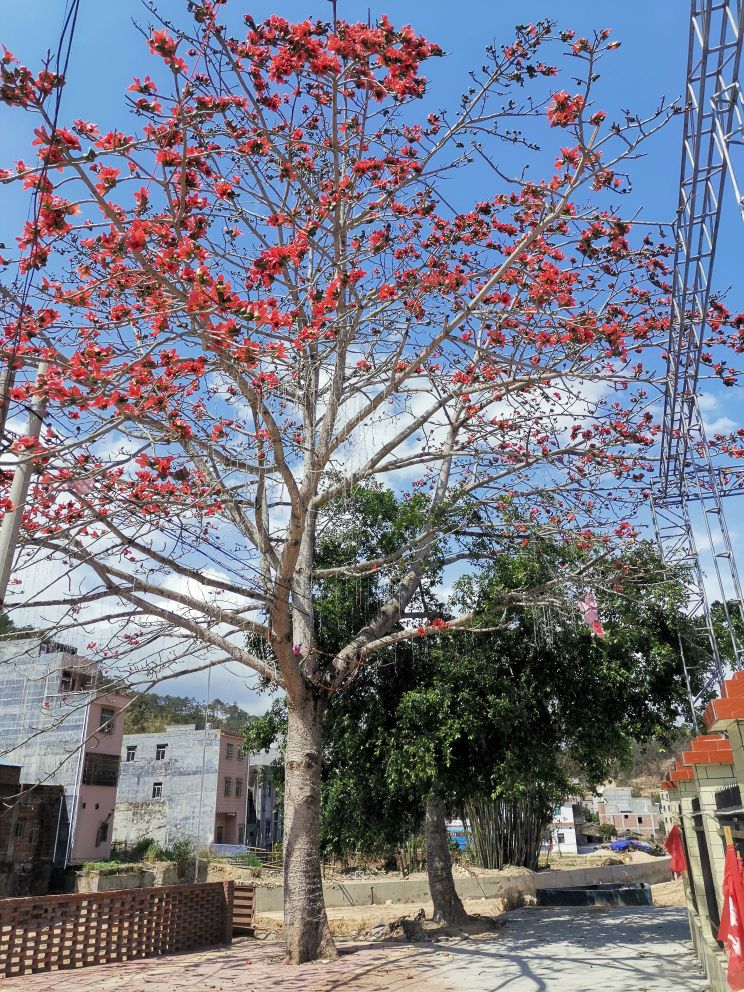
(37, 810)
(48, 933)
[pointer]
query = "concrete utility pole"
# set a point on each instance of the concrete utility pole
(11, 524)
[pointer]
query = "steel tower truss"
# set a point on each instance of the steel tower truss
(712, 146)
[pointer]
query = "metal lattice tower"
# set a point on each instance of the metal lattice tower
(712, 145)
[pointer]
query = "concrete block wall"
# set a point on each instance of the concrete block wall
(497, 886)
(703, 770)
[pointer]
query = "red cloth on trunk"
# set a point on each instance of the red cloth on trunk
(674, 845)
(731, 930)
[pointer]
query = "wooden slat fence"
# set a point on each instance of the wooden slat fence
(47, 933)
(244, 908)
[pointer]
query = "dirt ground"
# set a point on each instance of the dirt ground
(219, 871)
(668, 893)
(356, 920)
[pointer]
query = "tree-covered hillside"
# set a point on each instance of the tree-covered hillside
(152, 712)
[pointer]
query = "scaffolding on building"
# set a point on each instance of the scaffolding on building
(712, 145)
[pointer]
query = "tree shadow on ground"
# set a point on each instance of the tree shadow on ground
(537, 950)
(582, 949)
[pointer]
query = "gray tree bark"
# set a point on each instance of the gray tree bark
(448, 907)
(306, 931)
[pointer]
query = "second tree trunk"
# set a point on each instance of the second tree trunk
(448, 907)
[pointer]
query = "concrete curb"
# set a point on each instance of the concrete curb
(377, 893)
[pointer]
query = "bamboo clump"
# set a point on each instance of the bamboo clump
(506, 833)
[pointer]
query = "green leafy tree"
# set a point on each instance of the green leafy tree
(531, 701)
(151, 712)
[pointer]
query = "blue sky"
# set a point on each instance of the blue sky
(108, 51)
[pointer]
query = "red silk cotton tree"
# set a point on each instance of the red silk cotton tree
(261, 298)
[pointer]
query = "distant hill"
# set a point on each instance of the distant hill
(649, 763)
(151, 712)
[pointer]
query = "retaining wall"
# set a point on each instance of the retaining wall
(377, 893)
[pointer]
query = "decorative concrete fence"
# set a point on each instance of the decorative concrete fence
(705, 797)
(48, 933)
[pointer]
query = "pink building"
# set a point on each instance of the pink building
(232, 791)
(627, 812)
(60, 729)
(93, 823)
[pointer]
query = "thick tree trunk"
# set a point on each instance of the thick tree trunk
(448, 907)
(307, 935)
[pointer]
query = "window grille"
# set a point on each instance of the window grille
(106, 724)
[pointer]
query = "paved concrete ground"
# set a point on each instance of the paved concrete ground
(539, 950)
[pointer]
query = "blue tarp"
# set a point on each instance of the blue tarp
(630, 845)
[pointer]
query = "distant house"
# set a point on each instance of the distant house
(264, 813)
(668, 817)
(193, 783)
(60, 729)
(627, 812)
(565, 831)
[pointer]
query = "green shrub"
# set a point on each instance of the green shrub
(154, 852)
(104, 866)
(249, 860)
(180, 850)
(137, 851)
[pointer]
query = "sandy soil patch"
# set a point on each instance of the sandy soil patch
(669, 893)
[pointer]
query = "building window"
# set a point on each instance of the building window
(228, 786)
(241, 833)
(160, 752)
(106, 724)
(131, 752)
(640, 820)
(238, 787)
(561, 837)
(56, 647)
(625, 816)
(242, 752)
(157, 790)
(20, 828)
(229, 751)
(100, 769)
(33, 837)
(219, 835)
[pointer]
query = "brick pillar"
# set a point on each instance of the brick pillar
(229, 888)
(735, 731)
(707, 950)
(712, 761)
(725, 715)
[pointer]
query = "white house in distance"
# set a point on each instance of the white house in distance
(564, 829)
(195, 783)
